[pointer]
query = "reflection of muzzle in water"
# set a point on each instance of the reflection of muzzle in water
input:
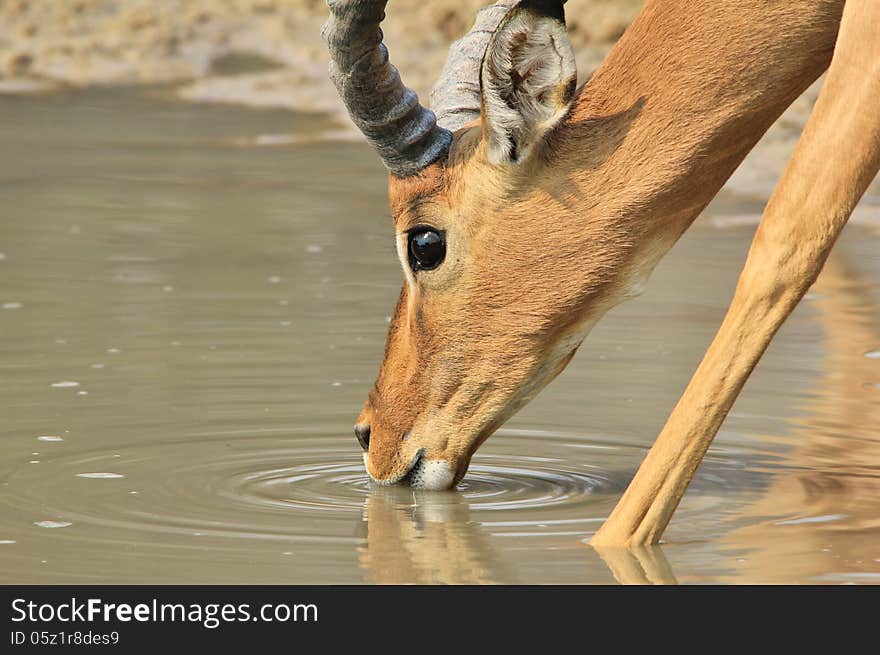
(427, 538)
(430, 538)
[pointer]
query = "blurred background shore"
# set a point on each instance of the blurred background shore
(259, 52)
(268, 53)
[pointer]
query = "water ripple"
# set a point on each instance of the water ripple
(313, 488)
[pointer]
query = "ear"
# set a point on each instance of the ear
(528, 79)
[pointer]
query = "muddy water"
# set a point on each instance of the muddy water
(194, 303)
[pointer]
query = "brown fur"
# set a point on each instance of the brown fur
(539, 250)
(809, 207)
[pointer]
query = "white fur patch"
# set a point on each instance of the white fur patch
(527, 69)
(636, 287)
(432, 474)
(402, 244)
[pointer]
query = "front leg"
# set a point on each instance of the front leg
(835, 160)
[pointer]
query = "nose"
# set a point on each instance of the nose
(362, 432)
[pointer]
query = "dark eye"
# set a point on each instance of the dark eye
(427, 248)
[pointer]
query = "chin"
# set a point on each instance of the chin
(422, 473)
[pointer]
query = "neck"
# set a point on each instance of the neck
(681, 99)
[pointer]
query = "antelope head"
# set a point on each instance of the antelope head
(502, 279)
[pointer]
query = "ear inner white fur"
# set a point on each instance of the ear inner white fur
(528, 78)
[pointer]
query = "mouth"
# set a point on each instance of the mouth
(421, 473)
(404, 477)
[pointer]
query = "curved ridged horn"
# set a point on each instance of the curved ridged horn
(389, 114)
(456, 95)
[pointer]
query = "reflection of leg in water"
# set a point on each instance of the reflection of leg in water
(426, 538)
(638, 565)
(825, 502)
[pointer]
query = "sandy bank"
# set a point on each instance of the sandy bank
(49, 43)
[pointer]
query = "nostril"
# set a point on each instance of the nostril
(362, 432)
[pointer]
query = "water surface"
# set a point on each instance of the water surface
(193, 303)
